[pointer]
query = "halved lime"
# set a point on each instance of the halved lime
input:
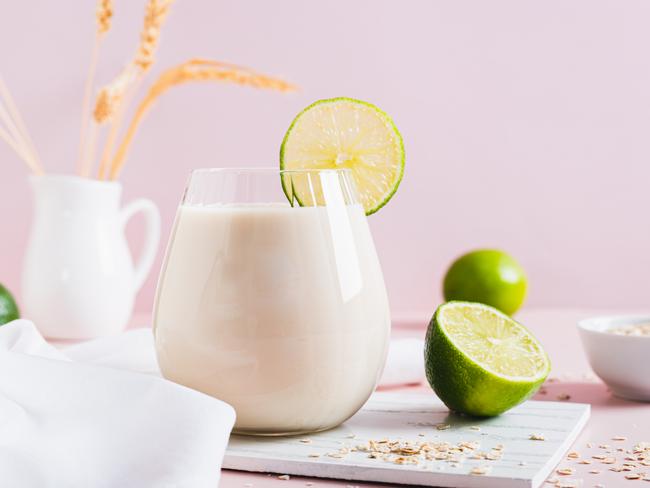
(347, 133)
(481, 362)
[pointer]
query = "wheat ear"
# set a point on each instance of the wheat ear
(155, 14)
(192, 70)
(86, 142)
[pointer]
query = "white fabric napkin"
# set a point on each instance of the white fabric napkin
(65, 422)
(85, 416)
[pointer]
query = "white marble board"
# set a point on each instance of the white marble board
(524, 463)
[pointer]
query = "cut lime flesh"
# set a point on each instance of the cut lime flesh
(344, 133)
(494, 341)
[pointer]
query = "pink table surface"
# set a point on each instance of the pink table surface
(570, 375)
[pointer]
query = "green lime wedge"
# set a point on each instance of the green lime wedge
(346, 133)
(481, 362)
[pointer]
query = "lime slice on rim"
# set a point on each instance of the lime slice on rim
(481, 362)
(347, 133)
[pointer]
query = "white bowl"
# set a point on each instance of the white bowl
(621, 361)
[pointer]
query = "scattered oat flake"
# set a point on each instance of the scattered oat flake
(284, 477)
(351, 436)
(420, 435)
(619, 438)
(475, 427)
(573, 455)
(603, 446)
(480, 470)
(584, 461)
(565, 471)
(305, 441)
(595, 471)
(442, 426)
(405, 460)
(632, 476)
(536, 437)
(590, 445)
(564, 397)
(566, 484)
(314, 455)
(609, 460)
(599, 457)
(400, 451)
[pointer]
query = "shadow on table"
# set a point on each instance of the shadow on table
(595, 393)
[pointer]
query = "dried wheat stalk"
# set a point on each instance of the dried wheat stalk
(20, 151)
(11, 131)
(155, 14)
(192, 70)
(86, 143)
(17, 137)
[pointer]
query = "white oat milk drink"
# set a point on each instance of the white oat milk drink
(279, 311)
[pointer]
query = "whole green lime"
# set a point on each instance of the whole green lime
(8, 308)
(487, 276)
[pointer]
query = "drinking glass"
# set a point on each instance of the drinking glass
(271, 298)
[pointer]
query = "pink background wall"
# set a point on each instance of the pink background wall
(526, 124)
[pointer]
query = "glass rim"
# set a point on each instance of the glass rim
(267, 170)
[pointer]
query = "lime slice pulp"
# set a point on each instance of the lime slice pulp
(481, 362)
(347, 133)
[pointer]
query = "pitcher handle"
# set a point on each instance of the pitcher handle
(152, 222)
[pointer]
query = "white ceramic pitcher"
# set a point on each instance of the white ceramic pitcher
(79, 280)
